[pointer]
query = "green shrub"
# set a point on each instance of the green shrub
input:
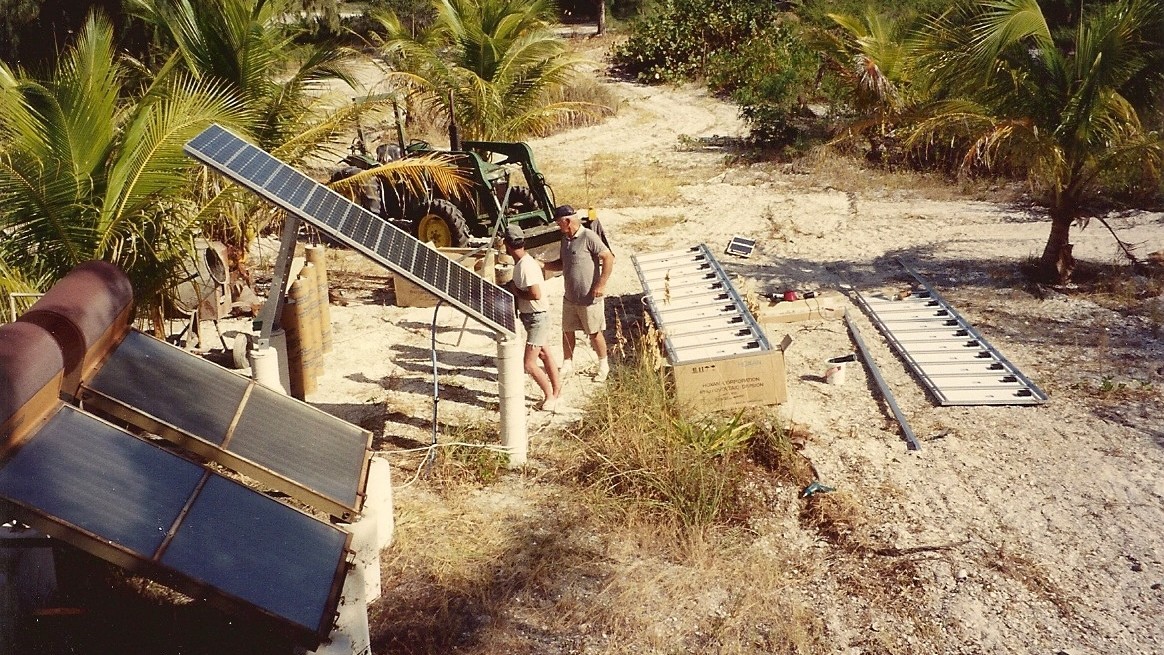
(677, 40)
(771, 76)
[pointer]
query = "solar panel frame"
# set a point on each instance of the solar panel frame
(283, 443)
(329, 211)
(78, 475)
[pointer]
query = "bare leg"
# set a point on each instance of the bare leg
(551, 370)
(598, 342)
(568, 344)
(536, 372)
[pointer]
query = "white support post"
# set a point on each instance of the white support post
(265, 368)
(511, 392)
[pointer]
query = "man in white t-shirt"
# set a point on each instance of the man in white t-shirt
(527, 287)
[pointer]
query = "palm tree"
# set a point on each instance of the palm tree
(1017, 98)
(497, 58)
(249, 47)
(871, 58)
(90, 171)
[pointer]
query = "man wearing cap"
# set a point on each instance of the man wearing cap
(532, 306)
(586, 263)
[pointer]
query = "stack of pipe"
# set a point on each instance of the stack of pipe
(306, 320)
(317, 257)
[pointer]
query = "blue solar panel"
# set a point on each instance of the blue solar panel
(144, 508)
(284, 443)
(296, 193)
(289, 557)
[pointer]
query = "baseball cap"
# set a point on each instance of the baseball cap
(563, 211)
(514, 233)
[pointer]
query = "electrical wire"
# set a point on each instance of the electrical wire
(426, 465)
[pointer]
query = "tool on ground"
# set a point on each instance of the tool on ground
(815, 488)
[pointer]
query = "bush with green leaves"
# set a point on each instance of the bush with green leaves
(678, 39)
(771, 76)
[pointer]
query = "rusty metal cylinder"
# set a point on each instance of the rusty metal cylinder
(29, 361)
(90, 305)
(317, 257)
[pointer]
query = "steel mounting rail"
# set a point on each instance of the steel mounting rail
(952, 359)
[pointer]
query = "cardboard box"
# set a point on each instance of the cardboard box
(732, 383)
(411, 295)
(825, 305)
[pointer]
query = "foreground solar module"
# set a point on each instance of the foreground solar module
(286, 444)
(336, 215)
(695, 306)
(143, 508)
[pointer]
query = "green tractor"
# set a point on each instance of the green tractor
(494, 199)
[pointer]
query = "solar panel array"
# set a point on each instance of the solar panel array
(355, 226)
(284, 443)
(146, 509)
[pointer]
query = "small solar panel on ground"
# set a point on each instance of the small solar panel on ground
(741, 246)
(148, 510)
(389, 246)
(281, 442)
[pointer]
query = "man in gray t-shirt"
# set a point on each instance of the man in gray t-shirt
(586, 264)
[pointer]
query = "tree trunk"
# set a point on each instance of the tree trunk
(1056, 264)
(601, 17)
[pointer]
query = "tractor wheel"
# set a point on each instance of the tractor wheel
(442, 224)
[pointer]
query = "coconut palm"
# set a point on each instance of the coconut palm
(497, 58)
(871, 58)
(249, 47)
(91, 171)
(1018, 99)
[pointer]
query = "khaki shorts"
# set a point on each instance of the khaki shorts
(588, 318)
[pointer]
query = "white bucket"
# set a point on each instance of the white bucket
(835, 368)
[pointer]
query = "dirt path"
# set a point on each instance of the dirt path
(1058, 507)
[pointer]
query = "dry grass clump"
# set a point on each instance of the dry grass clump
(468, 455)
(597, 100)
(653, 456)
(615, 181)
(838, 518)
(652, 225)
(846, 171)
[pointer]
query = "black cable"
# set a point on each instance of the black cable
(428, 460)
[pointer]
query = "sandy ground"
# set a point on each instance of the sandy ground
(1052, 514)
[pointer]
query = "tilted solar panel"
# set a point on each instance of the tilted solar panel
(132, 503)
(286, 444)
(336, 215)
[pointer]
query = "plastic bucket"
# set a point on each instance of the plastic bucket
(835, 368)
